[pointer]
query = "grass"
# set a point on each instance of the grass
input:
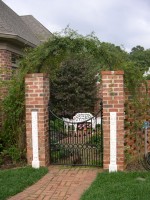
(13, 181)
(119, 186)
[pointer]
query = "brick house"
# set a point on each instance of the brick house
(16, 34)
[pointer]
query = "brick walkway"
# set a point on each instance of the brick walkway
(60, 184)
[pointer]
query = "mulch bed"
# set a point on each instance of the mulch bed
(8, 163)
(135, 165)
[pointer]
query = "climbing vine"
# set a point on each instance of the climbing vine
(51, 57)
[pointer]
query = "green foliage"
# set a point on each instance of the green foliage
(133, 78)
(13, 109)
(148, 77)
(74, 88)
(48, 56)
(112, 57)
(10, 155)
(95, 140)
(62, 153)
(14, 153)
(141, 58)
(13, 181)
(57, 124)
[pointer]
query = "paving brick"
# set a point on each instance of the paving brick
(49, 187)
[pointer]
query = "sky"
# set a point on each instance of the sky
(125, 23)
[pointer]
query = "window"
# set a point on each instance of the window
(14, 62)
(14, 59)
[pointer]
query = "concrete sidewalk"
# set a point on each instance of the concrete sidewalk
(61, 183)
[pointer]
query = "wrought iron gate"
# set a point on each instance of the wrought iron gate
(76, 142)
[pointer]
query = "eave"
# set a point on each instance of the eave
(15, 39)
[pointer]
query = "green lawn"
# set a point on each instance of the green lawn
(13, 181)
(119, 186)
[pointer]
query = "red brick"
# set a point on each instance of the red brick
(112, 81)
(38, 99)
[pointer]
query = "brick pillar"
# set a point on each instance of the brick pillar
(113, 103)
(37, 97)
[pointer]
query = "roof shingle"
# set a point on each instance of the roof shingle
(12, 24)
(38, 29)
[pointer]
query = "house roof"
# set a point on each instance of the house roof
(39, 30)
(12, 26)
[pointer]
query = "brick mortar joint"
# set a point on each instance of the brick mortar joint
(34, 75)
(119, 72)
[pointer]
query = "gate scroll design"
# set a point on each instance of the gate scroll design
(76, 142)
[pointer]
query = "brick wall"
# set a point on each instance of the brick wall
(37, 97)
(5, 64)
(113, 101)
(5, 73)
(5, 70)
